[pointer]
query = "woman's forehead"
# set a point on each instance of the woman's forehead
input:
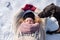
(29, 19)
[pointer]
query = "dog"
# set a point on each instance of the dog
(49, 11)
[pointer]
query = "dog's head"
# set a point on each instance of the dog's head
(47, 11)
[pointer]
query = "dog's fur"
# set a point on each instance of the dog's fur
(51, 10)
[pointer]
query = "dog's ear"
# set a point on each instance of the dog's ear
(52, 4)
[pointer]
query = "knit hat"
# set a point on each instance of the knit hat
(29, 14)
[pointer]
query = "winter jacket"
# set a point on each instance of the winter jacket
(38, 35)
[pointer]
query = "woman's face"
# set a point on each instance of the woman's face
(29, 20)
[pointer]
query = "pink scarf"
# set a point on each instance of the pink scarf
(32, 27)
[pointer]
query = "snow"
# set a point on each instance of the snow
(53, 37)
(9, 7)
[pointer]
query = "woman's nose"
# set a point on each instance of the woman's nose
(29, 21)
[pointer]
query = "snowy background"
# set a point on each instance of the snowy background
(9, 7)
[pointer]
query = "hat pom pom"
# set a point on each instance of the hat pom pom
(29, 7)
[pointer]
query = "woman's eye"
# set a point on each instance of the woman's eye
(27, 20)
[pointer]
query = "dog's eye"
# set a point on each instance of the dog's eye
(50, 11)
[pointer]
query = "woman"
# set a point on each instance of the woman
(29, 27)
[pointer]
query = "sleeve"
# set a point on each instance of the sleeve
(51, 24)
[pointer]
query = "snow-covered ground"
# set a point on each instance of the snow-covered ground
(9, 7)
